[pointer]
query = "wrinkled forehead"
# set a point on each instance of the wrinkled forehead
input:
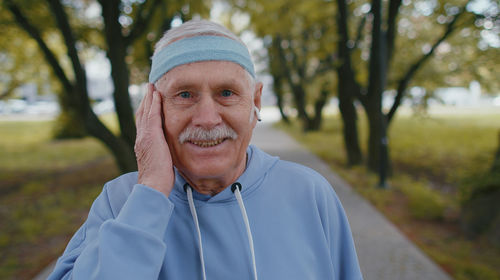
(200, 48)
(214, 74)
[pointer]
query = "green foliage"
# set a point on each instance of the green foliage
(85, 27)
(299, 40)
(423, 202)
(444, 148)
(27, 147)
(470, 53)
(476, 271)
(464, 266)
(434, 158)
(46, 189)
(480, 215)
(483, 184)
(464, 57)
(420, 25)
(22, 62)
(139, 55)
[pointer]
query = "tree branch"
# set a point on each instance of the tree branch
(297, 90)
(10, 88)
(301, 67)
(391, 27)
(141, 22)
(34, 33)
(359, 32)
(69, 40)
(325, 65)
(403, 82)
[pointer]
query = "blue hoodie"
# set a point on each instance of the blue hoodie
(297, 223)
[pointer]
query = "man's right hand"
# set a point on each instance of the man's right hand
(151, 149)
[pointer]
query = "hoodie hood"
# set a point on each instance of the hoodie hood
(258, 165)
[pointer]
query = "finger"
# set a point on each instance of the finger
(156, 104)
(155, 111)
(140, 111)
(147, 106)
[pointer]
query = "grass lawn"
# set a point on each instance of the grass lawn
(47, 186)
(433, 159)
(46, 189)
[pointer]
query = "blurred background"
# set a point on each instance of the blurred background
(400, 97)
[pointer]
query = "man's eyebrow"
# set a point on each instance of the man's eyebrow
(230, 83)
(239, 82)
(178, 84)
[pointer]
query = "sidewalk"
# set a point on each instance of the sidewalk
(384, 253)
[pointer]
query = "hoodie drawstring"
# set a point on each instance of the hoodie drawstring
(189, 192)
(236, 189)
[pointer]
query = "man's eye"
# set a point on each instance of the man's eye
(185, 94)
(226, 93)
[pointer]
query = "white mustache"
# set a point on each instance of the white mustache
(199, 134)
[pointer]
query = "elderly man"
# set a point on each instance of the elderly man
(204, 204)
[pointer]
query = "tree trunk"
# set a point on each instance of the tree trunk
(277, 73)
(299, 94)
(317, 119)
(117, 51)
(124, 154)
(377, 141)
(298, 91)
(279, 102)
(374, 134)
(68, 123)
(76, 92)
(495, 167)
(349, 121)
(278, 92)
(122, 150)
(347, 90)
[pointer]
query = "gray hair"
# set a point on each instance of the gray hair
(192, 28)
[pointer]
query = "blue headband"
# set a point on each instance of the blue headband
(199, 48)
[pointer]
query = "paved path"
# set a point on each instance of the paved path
(384, 253)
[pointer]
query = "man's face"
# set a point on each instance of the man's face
(206, 96)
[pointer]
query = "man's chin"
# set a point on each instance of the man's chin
(198, 173)
(219, 162)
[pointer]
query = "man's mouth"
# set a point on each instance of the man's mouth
(207, 144)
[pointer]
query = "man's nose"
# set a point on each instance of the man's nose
(207, 113)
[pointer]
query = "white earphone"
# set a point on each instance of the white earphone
(257, 111)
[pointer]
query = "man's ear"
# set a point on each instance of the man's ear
(257, 95)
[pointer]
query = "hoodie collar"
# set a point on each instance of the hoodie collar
(258, 164)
